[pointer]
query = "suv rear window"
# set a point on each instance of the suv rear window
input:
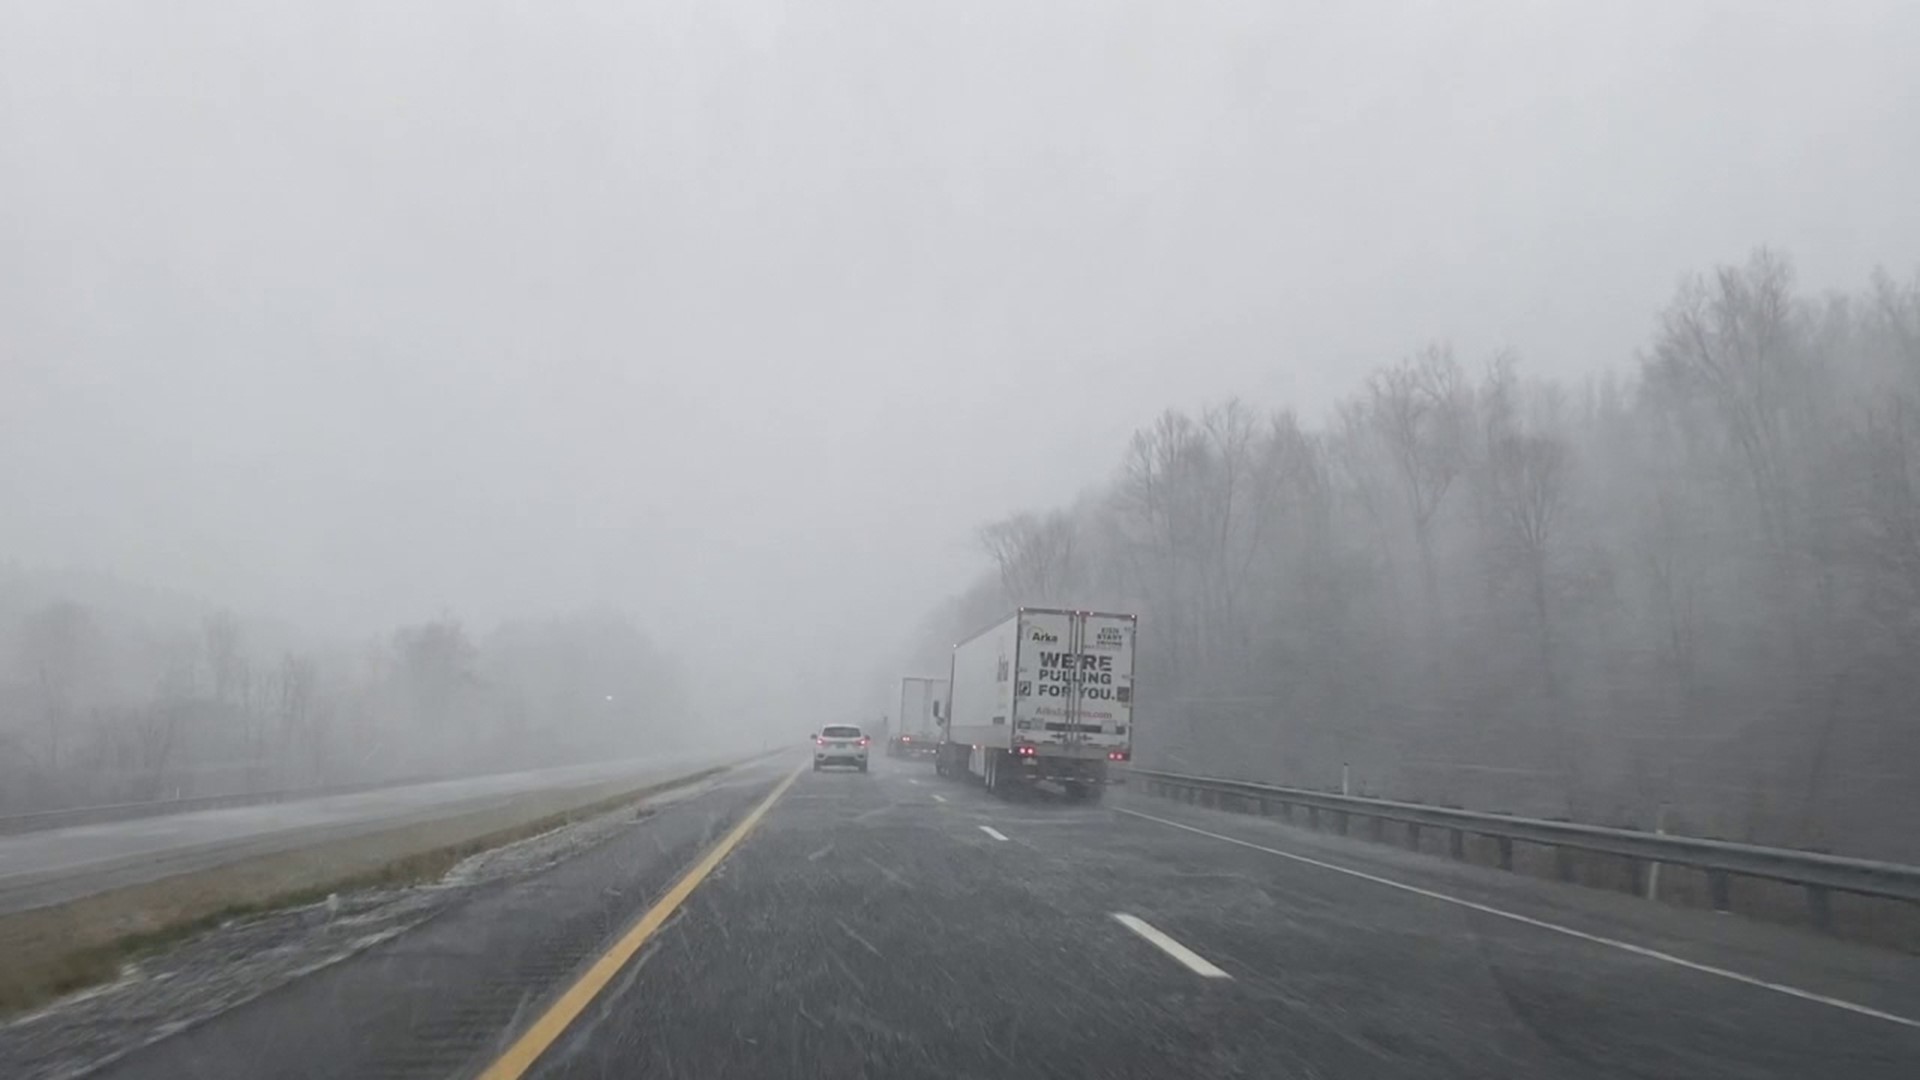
(840, 731)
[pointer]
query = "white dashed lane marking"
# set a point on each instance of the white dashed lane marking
(1194, 961)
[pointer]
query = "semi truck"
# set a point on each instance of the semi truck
(917, 730)
(1043, 696)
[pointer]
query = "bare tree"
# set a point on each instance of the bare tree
(225, 659)
(1238, 504)
(158, 723)
(297, 717)
(1735, 339)
(1529, 483)
(436, 664)
(1895, 328)
(1160, 530)
(1034, 555)
(1418, 409)
(1664, 542)
(60, 649)
(1357, 468)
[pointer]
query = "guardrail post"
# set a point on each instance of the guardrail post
(1378, 826)
(1340, 821)
(1506, 852)
(1820, 906)
(1653, 868)
(1286, 812)
(1413, 835)
(1313, 817)
(1717, 884)
(1456, 843)
(1563, 863)
(1260, 805)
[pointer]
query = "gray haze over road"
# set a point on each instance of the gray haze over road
(346, 313)
(1507, 404)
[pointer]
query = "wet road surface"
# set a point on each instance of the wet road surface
(898, 925)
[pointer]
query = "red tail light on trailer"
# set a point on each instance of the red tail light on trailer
(1117, 755)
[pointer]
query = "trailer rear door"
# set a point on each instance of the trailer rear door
(1075, 682)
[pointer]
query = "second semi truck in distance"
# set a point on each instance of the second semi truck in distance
(918, 728)
(1043, 695)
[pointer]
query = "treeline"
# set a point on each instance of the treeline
(100, 704)
(1686, 591)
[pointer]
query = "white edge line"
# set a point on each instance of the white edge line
(939, 798)
(1194, 961)
(1637, 950)
(993, 832)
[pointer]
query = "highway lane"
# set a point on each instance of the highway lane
(867, 931)
(436, 1000)
(57, 865)
(866, 928)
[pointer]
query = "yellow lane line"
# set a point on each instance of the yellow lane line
(541, 1034)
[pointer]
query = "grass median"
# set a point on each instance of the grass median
(53, 951)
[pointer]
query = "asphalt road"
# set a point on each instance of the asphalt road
(878, 925)
(57, 865)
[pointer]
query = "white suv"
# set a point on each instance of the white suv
(840, 744)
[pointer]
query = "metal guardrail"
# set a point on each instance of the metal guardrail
(1819, 874)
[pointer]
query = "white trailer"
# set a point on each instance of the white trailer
(1043, 695)
(917, 728)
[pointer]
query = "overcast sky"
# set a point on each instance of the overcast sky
(742, 316)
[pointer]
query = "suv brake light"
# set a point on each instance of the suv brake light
(863, 740)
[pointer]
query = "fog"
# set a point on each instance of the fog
(733, 324)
